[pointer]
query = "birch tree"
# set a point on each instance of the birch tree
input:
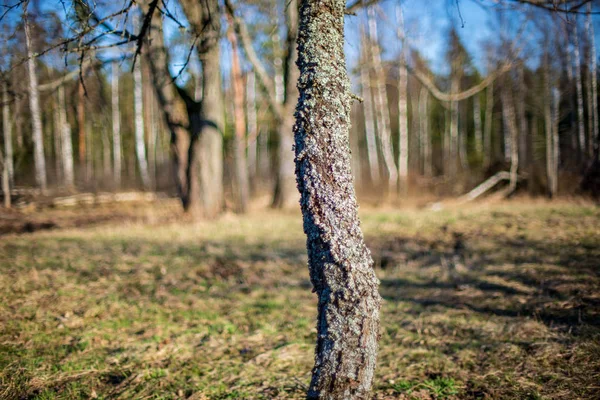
(382, 109)
(594, 133)
(402, 104)
(34, 105)
(369, 115)
(579, 86)
(138, 105)
(65, 141)
(116, 125)
(340, 264)
(7, 128)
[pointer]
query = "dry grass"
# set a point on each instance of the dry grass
(498, 301)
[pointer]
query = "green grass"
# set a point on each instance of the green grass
(497, 302)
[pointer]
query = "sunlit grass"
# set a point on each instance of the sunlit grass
(496, 301)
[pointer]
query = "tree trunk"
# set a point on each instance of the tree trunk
(34, 105)
(593, 83)
(382, 110)
(551, 161)
(508, 114)
(57, 134)
(284, 184)
(425, 140)
(369, 114)
(81, 129)
(65, 140)
(8, 147)
(402, 106)
(239, 138)
(340, 264)
(453, 157)
(252, 121)
(555, 139)
(579, 86)
(116, 126)
(6, 183)
(211, 126)
(522, 118)
(487, 131)
(477, 125)
(138, 103)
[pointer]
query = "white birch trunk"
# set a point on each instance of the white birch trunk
(116, 126)
(578, 82)
(593, 82)
(555, 138)
(57, 134)
(252, 122)
(7, 126)
(402, 105)
(140, 148)
(453, 145)
(508, 113)
(487, 132)
(65, 140)
(477, 125)
(36, 117)
(369, 116)
(425, 141)
(382, 110)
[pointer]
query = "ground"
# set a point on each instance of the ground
(497, 301)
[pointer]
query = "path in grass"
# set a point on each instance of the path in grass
(497, 302)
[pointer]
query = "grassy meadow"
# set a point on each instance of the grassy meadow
(490, 301)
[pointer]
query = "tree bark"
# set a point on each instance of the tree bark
(116, 126)
(593, 83)
(508, 113)
(65, 141)
(7, 127)
(81, 128)
(340, 264)
(138, 103)
(551, 160)
(57, 134)
(402, 105)
(252, 123)
(382, 110)
(240, 161)
(425, 141)
(477, 125)
(579, 86)
(453, 156)
(365, 85)
(487, 131)
(34, 105)
(284, 185)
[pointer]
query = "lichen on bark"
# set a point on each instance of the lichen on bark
(340, 265)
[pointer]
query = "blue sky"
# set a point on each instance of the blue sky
(427, 23)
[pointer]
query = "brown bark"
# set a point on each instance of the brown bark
(241, 164)
(340, 264)
(81, 122)
(195, 127)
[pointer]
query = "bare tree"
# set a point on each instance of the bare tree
(116, 125)
(7, 127)
(340, 264)
(65, 140)
(252, 124)
(509, 117)
(34, 105)
(425, 136)
(241, 165)
(369, 115)
(402, 104)
(138, 104)
(592, 84)
(487, 131)
(579, 86)
(382, 109)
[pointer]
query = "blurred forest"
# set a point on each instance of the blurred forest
(107, 97)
